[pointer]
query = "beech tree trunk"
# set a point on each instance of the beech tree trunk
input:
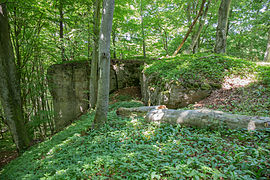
(104, 60)
(94, 62)
(202, 118)
(10, 94)
(267, 52)
(222, 28)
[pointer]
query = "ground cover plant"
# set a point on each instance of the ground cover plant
(134, 149)
(252, 99)
(36, 35)
(199, 70)
(131, 148)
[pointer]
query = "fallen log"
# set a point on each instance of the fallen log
(137, 111)
(202, 118)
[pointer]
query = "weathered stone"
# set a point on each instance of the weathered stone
(127, 73)
(69, 86)
(171, 94)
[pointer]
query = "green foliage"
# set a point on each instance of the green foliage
(264, 74)
(6, 144)
(198, 70)
(136, 149)
(252, 99)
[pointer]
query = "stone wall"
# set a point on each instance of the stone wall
(69, 86)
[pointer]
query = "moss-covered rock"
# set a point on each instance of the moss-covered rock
(182, 80)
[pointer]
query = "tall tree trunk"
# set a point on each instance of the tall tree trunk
(9, 85)
(222, 28)
(17, 31)
(190, 28)
(267, 52)
(61, 26)
(88, 35)
(94, 62)
(142, 28)
(104, 59)
(166, 42)
(198, 33)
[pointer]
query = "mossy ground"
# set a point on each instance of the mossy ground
(199, 70)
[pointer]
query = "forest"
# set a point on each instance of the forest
(134, 89)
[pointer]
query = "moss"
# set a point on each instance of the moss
(206, 86)
(200, 70)
(264, 74)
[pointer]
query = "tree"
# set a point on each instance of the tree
(104, 63)
(267, 52)
(190, 28)
(197, 34)
(222, 28)
(10, 92)
(94, 62)
(142, 26)
(61, 30)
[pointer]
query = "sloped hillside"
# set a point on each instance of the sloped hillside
(132, 148)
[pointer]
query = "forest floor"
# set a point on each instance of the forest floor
(237, 95)
(7, 156)
(242, 95)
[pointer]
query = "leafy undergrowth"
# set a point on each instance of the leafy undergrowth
(198, 70)
(134, 149)
(7, 149)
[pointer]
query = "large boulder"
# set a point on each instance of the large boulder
(172, 94)
(179, 81)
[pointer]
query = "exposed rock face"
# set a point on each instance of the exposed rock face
(69, 86)
(171, 94)
(127, 73)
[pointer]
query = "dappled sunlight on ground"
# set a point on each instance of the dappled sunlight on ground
(263, 63)
(236, 82)
(239, 95)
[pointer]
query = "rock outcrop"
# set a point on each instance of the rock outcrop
(172, 94)
(69, 86)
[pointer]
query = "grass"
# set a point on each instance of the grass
(134, 149)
